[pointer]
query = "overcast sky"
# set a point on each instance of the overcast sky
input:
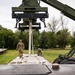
(7, 21)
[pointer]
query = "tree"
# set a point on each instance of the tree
(53, 26)
(36, 38)
(1, 27)
(6, 39)
(9, 39)
(2, 42)
(72, 42)
(63, 22)
(43, 40)
(59, 32)
(63, 37)
(63, 34)
(51, 40)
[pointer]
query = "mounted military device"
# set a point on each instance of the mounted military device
(29, 10)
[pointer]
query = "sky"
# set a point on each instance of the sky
(7, 21)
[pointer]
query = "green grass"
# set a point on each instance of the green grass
(50, 55)
(8, 56)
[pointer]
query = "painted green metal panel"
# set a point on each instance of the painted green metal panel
(29, 3)
(65, 9)
(29, 9)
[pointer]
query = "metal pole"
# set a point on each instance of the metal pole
(32, 44)
(30, 35)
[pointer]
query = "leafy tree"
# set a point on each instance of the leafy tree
(1, 27)
(36, 38)
(52, 41)
(63, 37)
(9, 39)
(72, 42)
(53, 26)
(63, 22)
(43, 40)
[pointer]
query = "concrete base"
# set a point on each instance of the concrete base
(32, 59)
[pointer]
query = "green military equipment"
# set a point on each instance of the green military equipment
(29, 6)
(68, 58)
(65, 9)
(29, 9)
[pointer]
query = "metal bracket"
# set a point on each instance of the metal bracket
(30, 15)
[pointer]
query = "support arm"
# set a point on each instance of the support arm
(65, 9)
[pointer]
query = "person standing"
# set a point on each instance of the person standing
(20, 47)
(39, 53)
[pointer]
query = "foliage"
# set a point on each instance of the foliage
(63, 38)
(72, 40)
(51, 39)
(43, 40)
(36, 38)
(53, 25)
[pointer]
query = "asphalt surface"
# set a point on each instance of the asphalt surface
(36, 69)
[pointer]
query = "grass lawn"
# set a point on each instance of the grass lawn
(8, 56)
(50, 55)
